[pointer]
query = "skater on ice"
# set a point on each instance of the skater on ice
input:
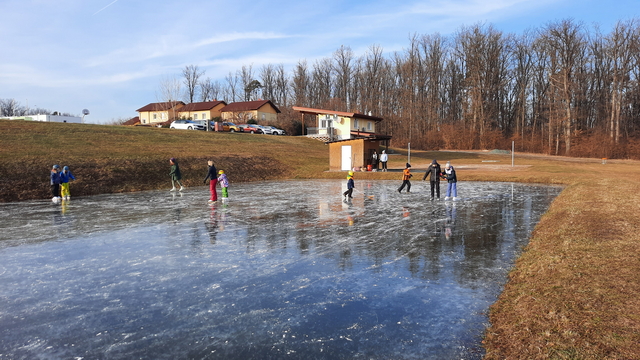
(65, 177)
(55, 183)
(212, 175)
(434, 172)
(224, 184)
(175, 174)
(350, 185)
(452, 181)
(406, 175)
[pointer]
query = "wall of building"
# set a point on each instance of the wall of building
(48, 118)
(363, 125)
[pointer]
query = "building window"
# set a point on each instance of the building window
(355, 124)
(195, 116)
(155, 116)
(162, 116)
(204, 116)
(369, 125)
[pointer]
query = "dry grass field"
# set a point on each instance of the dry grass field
(573, 293)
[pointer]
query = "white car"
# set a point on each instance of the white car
(266, 129)
(186, 125)
(272, 130)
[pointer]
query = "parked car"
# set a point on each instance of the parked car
(275, 130)
(230, 127)
(265, 129)
(251, 128)
(186, 125)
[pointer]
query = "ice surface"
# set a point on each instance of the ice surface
(284, 270)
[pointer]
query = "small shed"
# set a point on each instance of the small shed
(354, 153)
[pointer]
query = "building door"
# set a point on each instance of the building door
(346, 158)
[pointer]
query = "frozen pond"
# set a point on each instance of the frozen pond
(284, 270)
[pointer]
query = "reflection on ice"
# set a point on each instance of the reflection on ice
(284, 270)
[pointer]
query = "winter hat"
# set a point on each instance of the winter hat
(66, 168)
(448, 165)
(220, 172)
(56, 167)
(350, 173)
(408, 165)
(173, 160)
(434, 161)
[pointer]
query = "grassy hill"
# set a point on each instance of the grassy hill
(107, 159)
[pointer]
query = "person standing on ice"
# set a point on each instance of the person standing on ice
(350, 185)
(175, 174)
(65, 177)
(434, 172)
(383, 159)
(406, 175)
(452, 181)
(55, 183)
(224, 184)
(213, 176)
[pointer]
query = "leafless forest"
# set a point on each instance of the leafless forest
(563, 89)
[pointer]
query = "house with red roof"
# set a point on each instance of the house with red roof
(260, 110)
(159, 112)
(206, 110)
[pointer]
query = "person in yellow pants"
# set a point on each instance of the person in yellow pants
(65, 177)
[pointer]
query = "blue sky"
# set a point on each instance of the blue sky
(110, 56)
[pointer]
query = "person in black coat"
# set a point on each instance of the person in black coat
(434, 172)
(213, 176)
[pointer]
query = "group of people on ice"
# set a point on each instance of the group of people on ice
(214, 176)
(435, 174)
(59, 180)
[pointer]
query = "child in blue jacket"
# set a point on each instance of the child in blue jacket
(65, 176)
(55, 183)
(350, 185)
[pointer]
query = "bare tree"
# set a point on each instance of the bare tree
(268, 77)
(246, 79)
(191, 79)
(620, 51)
(10, 107)
(231, 88)
(210, 90)
(281, 94)
(301, 84)
(565, 43)
(321, 83)
(170, 91)
(342, 59)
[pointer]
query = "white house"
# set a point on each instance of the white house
(339, 125)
